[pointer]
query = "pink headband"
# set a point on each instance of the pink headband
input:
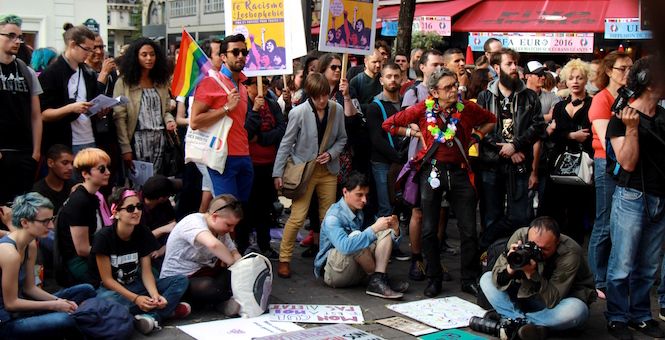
(127, 193)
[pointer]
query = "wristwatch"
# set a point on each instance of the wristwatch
(226, 108)
(462, 88)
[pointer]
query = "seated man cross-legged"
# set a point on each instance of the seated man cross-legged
(553, 291)
(348, 253)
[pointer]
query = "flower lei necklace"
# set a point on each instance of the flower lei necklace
(433, 128)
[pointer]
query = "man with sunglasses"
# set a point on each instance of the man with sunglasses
(21, 119)
(534, 72)
(212, 103)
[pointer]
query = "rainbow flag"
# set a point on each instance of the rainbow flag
(192, 66)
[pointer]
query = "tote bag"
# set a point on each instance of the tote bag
(573, 168)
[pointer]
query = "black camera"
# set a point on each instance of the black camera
(523, 255)
(625, 94)
(502, 328)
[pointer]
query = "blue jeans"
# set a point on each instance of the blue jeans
(636, 243)
(54, 325)
(236, 179)
(171, 288)
(501, 223)
(380, 171)
(569, 313)
(599, 241)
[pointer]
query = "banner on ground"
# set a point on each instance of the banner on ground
(266, 28)
(625, 29)
(348, 26)
(237, 329)
(444, 313)
(536, 42)
(407, 326)
(333, 332)
(317, 313)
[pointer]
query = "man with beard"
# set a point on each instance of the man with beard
(212, 103)
(385, 148)
(453, 59)
(57, 185)
(416, 53)
(506, 153)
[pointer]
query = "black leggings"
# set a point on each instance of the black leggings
(210, 289)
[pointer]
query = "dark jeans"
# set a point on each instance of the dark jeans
(257, 210)
(53, 325)
(189, 200)
(501, 222)
(462, 197)
(17, 174)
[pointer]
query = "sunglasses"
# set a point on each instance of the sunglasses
(335, 67)
(45, 222)
(232, 205)
(103, 168)
(236, 51)
(131, 208)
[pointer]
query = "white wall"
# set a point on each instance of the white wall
(46, 17)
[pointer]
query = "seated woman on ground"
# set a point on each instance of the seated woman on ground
(43, 315)
(120, 266)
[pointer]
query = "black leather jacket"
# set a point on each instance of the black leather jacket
(529, 126)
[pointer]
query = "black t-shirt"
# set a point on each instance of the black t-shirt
(125, 255)
(506, 109)
(15, 122)
(58, 198)
(81, 210)
(651, 154)
(162, 215)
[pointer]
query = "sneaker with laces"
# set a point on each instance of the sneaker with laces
(649, 327)
(399, 255)
(144, 323)
(396, 285)
(377, 287)
(619, 330)
(181, 311)
(271, 254)
(308, 241)
(417, 271)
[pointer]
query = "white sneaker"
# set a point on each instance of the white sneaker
(144, 323)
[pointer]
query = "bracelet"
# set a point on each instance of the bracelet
(477, 135)
(137, 296)
(226, 108)
(408, 132)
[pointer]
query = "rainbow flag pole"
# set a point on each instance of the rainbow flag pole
(192, 66)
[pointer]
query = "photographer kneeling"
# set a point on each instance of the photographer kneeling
(636, 225)
(543, 282)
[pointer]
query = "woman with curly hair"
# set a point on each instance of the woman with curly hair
(140, 125)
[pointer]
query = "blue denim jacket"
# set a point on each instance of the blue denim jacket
(338, 223)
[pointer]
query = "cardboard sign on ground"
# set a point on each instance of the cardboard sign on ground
(332, 332)
(407, 326)
(444, 313)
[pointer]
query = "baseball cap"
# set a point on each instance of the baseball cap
(159, 186)
(534, 66)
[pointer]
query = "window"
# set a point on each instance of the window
(213, 6)
(183, 8)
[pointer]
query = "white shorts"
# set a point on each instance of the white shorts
(206, 182)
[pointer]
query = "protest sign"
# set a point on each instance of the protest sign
(317, 313)
(333, 332)
(348, 26)
(238, 329)
(406, 326)
(444, 313)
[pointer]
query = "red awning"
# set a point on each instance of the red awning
(535, 16)
(435, 9)
(623, 9)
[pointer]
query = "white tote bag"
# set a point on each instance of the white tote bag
(251, 283)
(208, 145)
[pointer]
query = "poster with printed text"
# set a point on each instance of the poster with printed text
(348, 26)
(266, 27)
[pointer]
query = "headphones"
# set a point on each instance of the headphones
(644, 77)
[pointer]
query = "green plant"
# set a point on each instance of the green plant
(137, 19)
(425, 41)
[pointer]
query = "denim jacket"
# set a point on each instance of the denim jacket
(336, 228)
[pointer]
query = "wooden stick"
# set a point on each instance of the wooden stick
(345, 61)
(284, 80)
(259, 85)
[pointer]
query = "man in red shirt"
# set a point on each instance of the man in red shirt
(212, 103)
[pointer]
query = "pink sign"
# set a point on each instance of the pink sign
(537, 42)
(440, 25)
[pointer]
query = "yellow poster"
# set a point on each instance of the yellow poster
(266, 30)
(348, 26)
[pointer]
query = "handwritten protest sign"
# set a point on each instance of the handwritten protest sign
(266, 27)
(238, 329)
(317, 313)
(348, 26)
(445, 313)
(332, 332)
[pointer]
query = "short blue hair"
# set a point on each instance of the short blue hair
(41, 58)
(27, 206)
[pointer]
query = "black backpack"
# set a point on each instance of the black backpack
(495, 250)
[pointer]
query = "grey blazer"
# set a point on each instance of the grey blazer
(300, 140)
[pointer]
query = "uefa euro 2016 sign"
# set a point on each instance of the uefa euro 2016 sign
(536, 42)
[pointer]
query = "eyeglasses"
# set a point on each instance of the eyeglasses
(86, 49)
(131, 208)
(232, 205)
(236, 51)
(449, 87)
(102, 168)
(99, 47)
(335, 67)
(13, 37)
(622, 69)
(45, 222)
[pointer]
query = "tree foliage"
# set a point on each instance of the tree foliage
(425, 41)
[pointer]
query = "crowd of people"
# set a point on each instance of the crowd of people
(407, 139)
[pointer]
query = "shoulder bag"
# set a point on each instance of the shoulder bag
(296, 176)
(573, 168)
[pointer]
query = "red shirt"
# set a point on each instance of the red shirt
(472, 115)
(600, 109)
(210, 93)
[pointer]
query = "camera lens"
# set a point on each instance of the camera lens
(484, 325)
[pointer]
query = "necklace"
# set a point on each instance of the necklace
(451, 126)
